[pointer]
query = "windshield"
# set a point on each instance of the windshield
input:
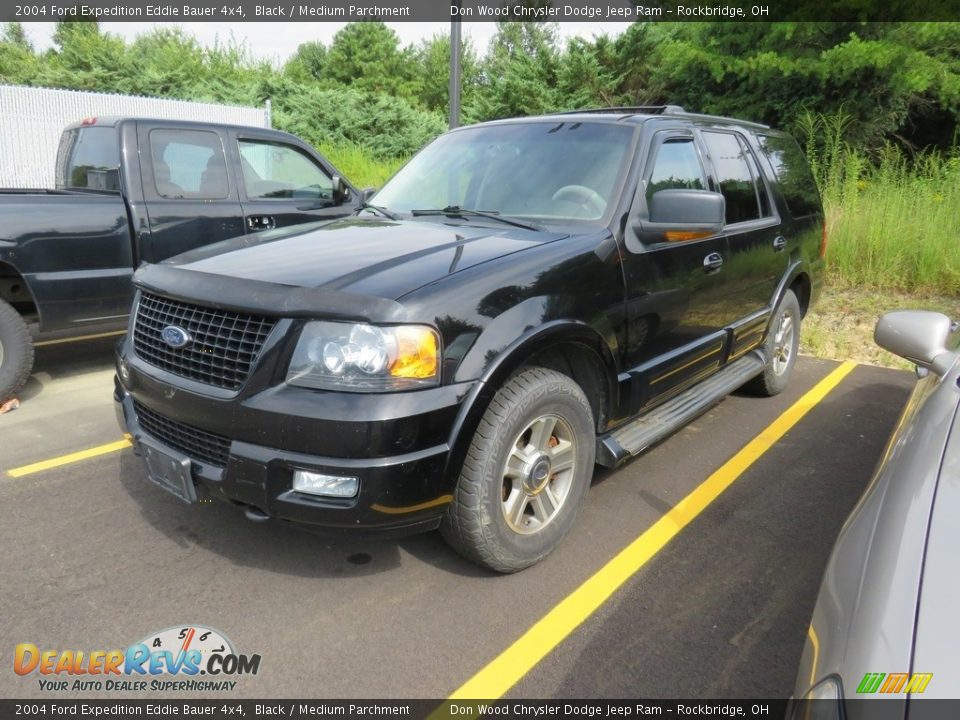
(545, 170)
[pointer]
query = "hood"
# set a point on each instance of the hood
(367, 256)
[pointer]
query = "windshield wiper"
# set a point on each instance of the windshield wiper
(382, 210)
(457, 211)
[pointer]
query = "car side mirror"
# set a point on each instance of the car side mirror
(918, 336)
(366, 194)
(340, 190)
(680, 214)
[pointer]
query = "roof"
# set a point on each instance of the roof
(641, 113)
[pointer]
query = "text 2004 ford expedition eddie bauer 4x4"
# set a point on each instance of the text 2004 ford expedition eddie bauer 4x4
(530, 297)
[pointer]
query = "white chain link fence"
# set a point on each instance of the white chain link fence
(31, 120)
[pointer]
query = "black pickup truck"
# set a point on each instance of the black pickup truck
(132, 191)
(523, 299)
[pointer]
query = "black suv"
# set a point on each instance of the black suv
(524, 299)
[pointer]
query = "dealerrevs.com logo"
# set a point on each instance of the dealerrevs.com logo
(184, 658)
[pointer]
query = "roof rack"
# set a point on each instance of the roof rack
(660, 110)
(635, 109)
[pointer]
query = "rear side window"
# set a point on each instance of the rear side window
(88, 158)
(793, 173)
(737, 182)
(188, 164)
(676, 166)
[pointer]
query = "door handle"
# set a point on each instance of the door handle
(712, 262)
(779, 243)
(255, 223)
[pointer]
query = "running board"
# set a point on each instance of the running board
(636, 436)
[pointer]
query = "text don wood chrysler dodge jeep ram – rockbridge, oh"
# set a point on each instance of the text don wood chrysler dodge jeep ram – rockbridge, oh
(524, 299)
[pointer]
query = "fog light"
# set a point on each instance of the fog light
(326, 485)
(124, 371)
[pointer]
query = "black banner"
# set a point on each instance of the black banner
(477, 10)
(852, 709)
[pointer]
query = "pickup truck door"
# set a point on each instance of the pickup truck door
(677, 309)
(190, 197)
(284, 182)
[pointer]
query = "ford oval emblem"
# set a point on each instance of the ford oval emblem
(175, 337)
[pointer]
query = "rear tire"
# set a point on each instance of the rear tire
(16, 352)
(780, 349)
(526, 472)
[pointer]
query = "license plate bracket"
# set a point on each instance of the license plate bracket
(169, 470)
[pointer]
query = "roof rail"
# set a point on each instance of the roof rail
(661, 110)
(635, 109)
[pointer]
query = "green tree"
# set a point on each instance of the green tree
(519, 75)
(367, 56)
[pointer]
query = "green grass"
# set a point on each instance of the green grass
(893, 221)
(359, 166)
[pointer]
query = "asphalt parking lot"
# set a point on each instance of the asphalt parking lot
(718, 537)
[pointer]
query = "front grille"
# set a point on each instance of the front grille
(224, 345)
(197, 444)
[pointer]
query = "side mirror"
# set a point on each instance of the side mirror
(340, 190)
(679, 214)
(366, 194)
(918, 336)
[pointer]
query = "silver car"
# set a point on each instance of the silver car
(887, 621)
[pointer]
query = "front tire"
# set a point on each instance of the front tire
(16, 352)
(526, 472)
(780, 349)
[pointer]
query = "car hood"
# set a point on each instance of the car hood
(365, 256)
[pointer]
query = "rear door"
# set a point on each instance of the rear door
(190, 197)
(757, 247)
(283, 182)
(676, 289)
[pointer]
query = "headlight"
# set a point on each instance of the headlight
(823, 701)
(365, 358)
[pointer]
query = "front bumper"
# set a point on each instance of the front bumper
(273, 432)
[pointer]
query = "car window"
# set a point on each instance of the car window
(734, 176)
(763, 197)
(676, 165)
(188, 164)
(274, 170)
(793, 173)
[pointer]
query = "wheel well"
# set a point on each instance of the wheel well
(801, 288)
(584, 367)
(14, 290)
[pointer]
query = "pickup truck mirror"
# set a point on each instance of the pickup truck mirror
(679, 214)
(340, 190)
(918, 336)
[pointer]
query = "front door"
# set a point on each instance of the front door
(285, 184)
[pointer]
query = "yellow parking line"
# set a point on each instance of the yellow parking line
(493, 681)
(67, 459)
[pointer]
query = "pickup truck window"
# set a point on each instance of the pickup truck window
(734, 175)
(274, 170)
(189, 164)
(88, 158)
(677, 165)
(563, 170)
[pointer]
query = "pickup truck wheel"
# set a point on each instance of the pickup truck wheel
(16, 352)
(527, 469)
(780, 348)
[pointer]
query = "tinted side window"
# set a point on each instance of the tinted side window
(676, 166)
(272, 170)
(762, 197)
(734, 176)
(89, 158)
(188, 164)
(793, 173)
